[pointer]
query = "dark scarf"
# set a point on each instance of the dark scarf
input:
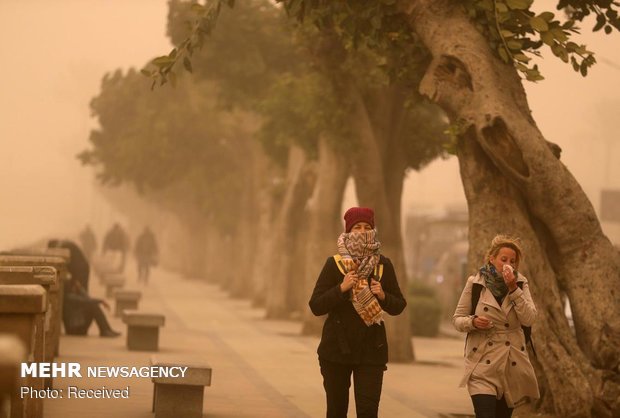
(494, 281)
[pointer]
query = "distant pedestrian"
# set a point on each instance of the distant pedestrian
(116, 241)
(88, 242)
(494, 306)
(354, 289)
(146, 253)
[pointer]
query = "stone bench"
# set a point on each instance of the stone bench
(126, 299)
(112, 282)
(60, 264)
(46, 277)
(22, 313)
(143, 329)
(180, 396)
(12, 354)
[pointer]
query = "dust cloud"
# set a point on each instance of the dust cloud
(58, 52)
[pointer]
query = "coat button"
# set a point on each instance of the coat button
(522, 348)
(514, 363)
(486, 309)
(490, 343)
(506, 324)
(474, 349)
(488, 361)
(507, 342)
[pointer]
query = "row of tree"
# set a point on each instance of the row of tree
(254, 150)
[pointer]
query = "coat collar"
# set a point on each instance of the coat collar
(488, 299)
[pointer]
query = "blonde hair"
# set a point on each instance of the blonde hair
(505, 241)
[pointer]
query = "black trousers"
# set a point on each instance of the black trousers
(488, 406)
(87, 312)
(367, 383)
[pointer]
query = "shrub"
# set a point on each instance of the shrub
(424, 310)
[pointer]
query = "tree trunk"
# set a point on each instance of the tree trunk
(370, 182)
(263, 270)
(299, 184)
(486, 96)
(324, 224)
(245, 238)
(489, 194)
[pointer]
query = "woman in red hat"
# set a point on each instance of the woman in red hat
(355, 288)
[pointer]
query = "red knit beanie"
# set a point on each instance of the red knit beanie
(356, 214)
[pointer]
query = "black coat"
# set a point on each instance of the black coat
(346, 338)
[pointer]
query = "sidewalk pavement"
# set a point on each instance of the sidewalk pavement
(261, 368)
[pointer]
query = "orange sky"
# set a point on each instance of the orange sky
(55, 53)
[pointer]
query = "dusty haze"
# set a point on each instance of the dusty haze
(55, 53)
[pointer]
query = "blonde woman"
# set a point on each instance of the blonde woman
(493, 310)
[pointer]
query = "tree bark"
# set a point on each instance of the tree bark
(263, 269)
(245, 238)
(489, 194)
(369, 170)
(299, 184)
(324, 223)
(486, 96)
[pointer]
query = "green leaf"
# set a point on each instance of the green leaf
(533, 75)
(146, 72)
(521, 57)
(518, 4)
(539, 24)
(162, 61)
(548, 16)
(514, 44)
(501, 7)
(187, 63)
(584, 69)
(600, 22)
(548, 38)
(568, 24)
(503, 54)
(559, 34)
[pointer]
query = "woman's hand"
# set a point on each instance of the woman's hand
(377, 290)
(350, 280)
(509, 277)
(482, 322)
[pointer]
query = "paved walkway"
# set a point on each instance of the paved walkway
(261, 368)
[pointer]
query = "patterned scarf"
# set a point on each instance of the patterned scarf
(363, 248)
(494, 281)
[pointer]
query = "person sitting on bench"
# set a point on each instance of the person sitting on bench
(79, 309)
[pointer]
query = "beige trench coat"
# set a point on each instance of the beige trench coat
(496, 360)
